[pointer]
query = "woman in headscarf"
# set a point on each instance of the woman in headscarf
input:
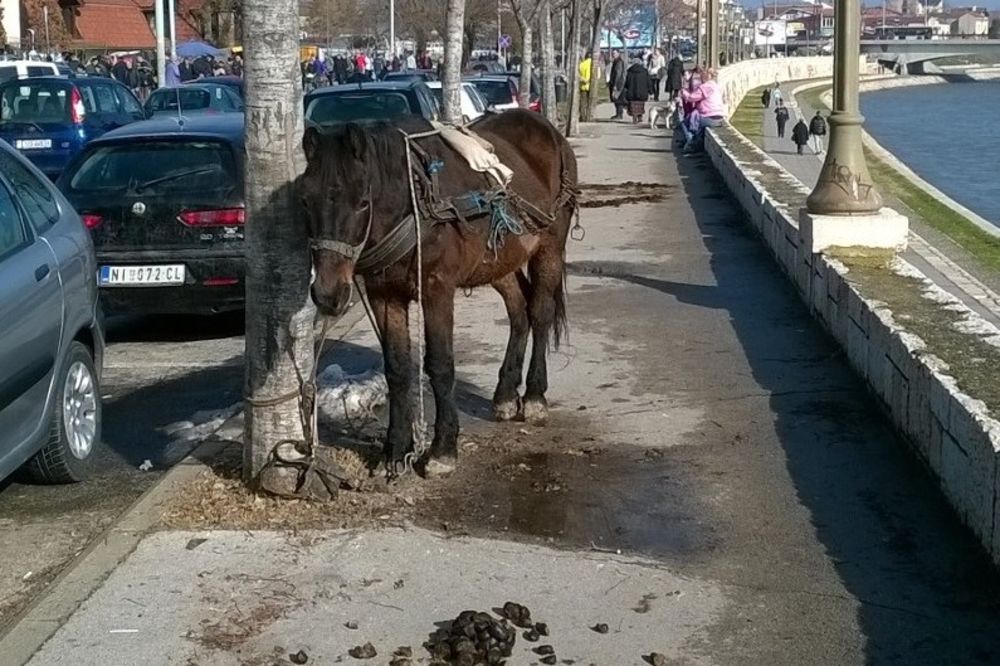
(637, 90)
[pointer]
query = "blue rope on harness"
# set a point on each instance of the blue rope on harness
(502, 222)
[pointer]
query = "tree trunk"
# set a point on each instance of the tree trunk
(451, 91)
(527, 47)
(548, 65)
(279, 311)
(573, 68)
(595, 71)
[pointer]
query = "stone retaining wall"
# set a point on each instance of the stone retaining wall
(740, 78)
(951, 432)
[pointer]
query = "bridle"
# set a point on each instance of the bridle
(344, 249)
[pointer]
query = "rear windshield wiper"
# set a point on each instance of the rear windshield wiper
(174, 176)
(23, 122)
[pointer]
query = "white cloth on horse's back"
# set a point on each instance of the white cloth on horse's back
(477, 152)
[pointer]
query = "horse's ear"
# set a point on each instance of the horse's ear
(357, 140)
(310, 143)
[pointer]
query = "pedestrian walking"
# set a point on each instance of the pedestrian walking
(675, 76)
(776, 94)
(616, 84)
(173, 72)
(637, 90)
(765, 98)
(817, 130)
(586, 69)
(781, 118)
(657, 71)
(800, 135)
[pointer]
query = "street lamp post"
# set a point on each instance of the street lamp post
(844, 186)
(713, 33)
(392, 27)
(45, 13)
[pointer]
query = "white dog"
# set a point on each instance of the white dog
(664, 112)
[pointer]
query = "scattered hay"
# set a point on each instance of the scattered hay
(218, 499)
(603, 195)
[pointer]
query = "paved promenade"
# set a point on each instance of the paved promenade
(937, 257)
(703, 426)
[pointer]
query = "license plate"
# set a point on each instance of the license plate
(32, 144)
(141, 276)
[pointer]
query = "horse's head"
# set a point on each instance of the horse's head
(336, 193)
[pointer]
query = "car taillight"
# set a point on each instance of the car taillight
(220, 217)
(76, 109)
(91, 221)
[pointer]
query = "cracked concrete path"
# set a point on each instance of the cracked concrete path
(762, 505)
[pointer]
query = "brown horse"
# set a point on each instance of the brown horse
(356, 191)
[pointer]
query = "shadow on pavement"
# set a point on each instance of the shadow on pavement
(925, 590)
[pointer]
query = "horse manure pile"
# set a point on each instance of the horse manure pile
(479, 639)
(613, 195)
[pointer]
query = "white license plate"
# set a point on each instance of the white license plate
(141, 276)
(32, 144)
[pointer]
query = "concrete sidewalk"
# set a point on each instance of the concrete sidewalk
(702, 425)
(936, 256)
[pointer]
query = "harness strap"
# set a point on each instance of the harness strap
(346, 250)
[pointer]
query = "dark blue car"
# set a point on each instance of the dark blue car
(51, 119)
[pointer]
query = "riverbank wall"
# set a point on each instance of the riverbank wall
(953, 433)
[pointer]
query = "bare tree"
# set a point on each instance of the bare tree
(525, 13)
(548, 64)
(597, 13)
(279, 311)
(573, 69)
(451, 93)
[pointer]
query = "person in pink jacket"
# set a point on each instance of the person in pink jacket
(708, 102)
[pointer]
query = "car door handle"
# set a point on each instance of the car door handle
(41, 272)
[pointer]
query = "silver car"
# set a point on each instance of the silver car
(51, 337)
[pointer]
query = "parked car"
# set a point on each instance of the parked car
(193, 100)
(487, 66)
(369, 102)
(23, 69)
(473, 104)
(425, 75)
(499, 90)
(235, 83)
(164, 205)
(50, 119)
(51, 338)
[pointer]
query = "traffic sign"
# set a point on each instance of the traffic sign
(632, 33)
(505, 41)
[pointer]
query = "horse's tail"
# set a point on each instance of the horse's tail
(559, 323)
(568, 179)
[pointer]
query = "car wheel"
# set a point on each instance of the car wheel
(75, 427)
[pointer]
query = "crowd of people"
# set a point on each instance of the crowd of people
(360, 66)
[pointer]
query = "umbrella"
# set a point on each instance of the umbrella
(196, 49)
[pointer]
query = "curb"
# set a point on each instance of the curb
(88, 570)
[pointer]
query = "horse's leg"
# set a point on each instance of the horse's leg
(392, 319)
(546, 310)
(439, 361)
(514, 288)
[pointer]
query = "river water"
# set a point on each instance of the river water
(949, 134)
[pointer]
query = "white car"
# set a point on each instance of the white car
(25, 69)
(473, 104)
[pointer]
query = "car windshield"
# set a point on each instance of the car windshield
(495, 92)
(188, 99)
(157, 167)
(34, 103)
(357, 106)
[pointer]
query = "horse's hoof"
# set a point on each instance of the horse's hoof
(506, 411)
(536, 412)
(438, 467)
